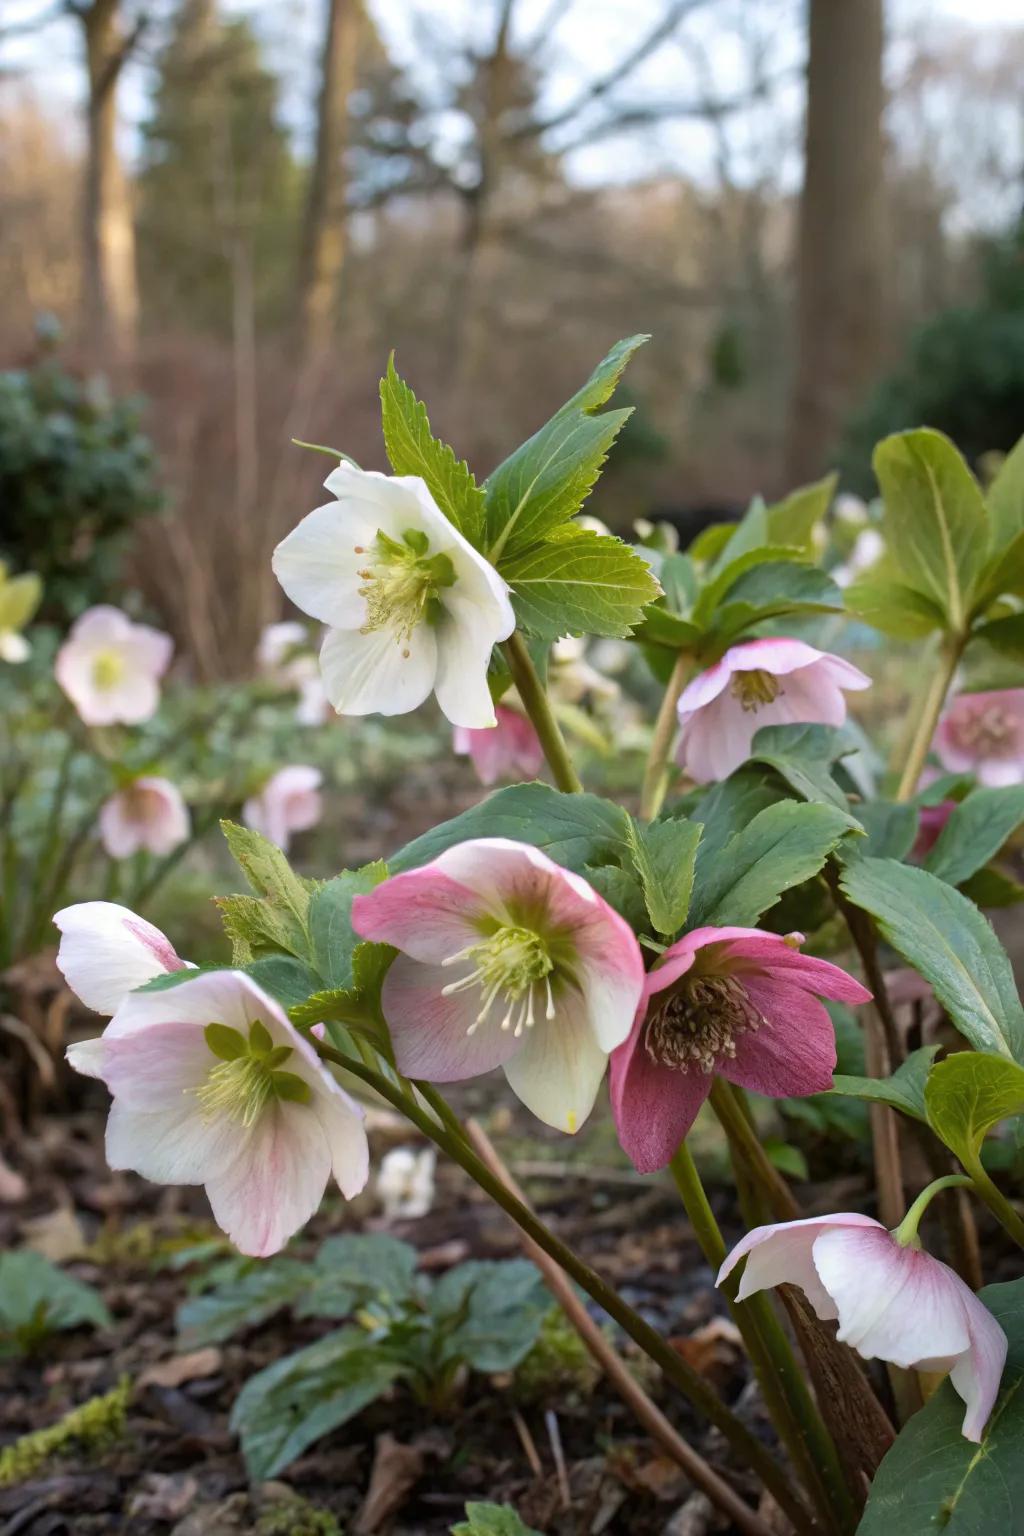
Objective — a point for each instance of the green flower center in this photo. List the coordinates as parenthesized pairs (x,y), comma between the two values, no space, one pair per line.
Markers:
(514,963)
(107,669)
(247,1076)
(697,1024)
(755,688)
(402,583)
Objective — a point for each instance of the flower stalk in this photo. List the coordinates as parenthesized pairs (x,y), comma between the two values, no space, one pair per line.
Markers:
(929,710)
(656,772)
(906,1233)
(538,706)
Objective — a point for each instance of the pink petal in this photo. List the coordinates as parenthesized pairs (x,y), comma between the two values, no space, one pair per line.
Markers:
(977,1374)
(706,686)
(430,1033)
(424,912)
(794,1053)
(653,1106)
(714,741)
(896,1304)
(276,1182)
(154,1068)
(781,1254)
(680,956)
(771,954)
(776,654)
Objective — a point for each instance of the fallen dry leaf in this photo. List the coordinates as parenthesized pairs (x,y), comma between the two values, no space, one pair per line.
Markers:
(163,1497)
(396,1470)
(178,1369)
(57,1235)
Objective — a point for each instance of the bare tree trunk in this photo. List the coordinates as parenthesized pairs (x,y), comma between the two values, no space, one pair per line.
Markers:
(840,320)
(109,292)
(323,247)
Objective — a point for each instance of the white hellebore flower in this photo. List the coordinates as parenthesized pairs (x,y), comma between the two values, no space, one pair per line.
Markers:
(211,1082)
(110,668)
(405,1183)
(410,605)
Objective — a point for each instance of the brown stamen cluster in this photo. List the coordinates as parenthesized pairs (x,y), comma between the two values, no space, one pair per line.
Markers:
(697,1024)
(755,688)
(987,732)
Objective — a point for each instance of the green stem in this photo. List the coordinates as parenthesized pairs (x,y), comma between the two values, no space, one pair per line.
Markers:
(932,700)
(997,1203)
(906,1232)
(732,1116)
(693,1386)
(538,707)
(792,1408)
(656,769)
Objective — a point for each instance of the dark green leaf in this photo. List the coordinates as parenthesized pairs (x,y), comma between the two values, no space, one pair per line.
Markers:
(331,936)
(1005,499)
(242,1303)
(903,1090)
(360,1267)
(37,1299)
(728,576)
(946,939)
(993,887)
(493,1309)
(284,977)
(976,830)
(660,627)
(663,856)
(891,829)
(784,845)
(1006,636)
(894,608)
(413,450)
(933,1480)
(803,755)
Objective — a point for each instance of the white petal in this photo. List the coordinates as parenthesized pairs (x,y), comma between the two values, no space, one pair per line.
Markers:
(275,1183)
(86,1056)
(466,637)
(560,1067)
(171,1146)
(341,1120)
(106,951)
(371,674)
(212,997)
(977,1374)
(318,564)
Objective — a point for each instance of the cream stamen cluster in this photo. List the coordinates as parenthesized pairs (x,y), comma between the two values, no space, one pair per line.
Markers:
(697,1025)
(401,582)
(513,962)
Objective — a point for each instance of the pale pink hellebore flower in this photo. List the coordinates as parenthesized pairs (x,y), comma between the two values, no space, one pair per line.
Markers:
(110,667)
(150,814)
(211,1082)
(509,750)
(290,801)
(758,683)
(893,1302)
(411,607)
(507,960)
(734,1002)
(983,734)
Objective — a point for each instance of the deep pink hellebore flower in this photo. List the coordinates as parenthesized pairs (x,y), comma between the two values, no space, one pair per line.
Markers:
(761,682)
(509,750)
(893,1302)
(507,961)
(983,734)
(729,1001)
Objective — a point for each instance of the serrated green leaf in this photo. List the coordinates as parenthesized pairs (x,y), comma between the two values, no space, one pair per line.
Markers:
(933,1480)
(573,830)
(490,1312)
(726,576)
(287,979)
(292,1403)
(891,829)
(664,855)
(363,1266)
(903,1090)
(332,938)
(976,830)
(993,887)
(545,481)
(784,845)
(580,582)
(242,1303)
(936,527)
(803,756)
(660,627)
(272,877)
(413,450)
(951,944)
(966,1095)
(776,589)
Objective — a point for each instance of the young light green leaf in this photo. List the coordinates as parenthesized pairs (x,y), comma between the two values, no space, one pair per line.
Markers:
(579,582)
(784,845)
(254,924)
(664,853)
(413,450)
(544,482)
(793,520)
(894,608)
(976,830)
(492,1520)
(952,945)
(904,1090)
(969,1093)
(1005,499)
(933,1480)
(267,870)
(937,530)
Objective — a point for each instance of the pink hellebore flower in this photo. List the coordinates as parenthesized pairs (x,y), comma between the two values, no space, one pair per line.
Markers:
(110,668)
(509,750)
(983,734)
(149,814)
(733,1001)
(507,961)
(213,1085)
(761,682)
(289,802)
(893,1302)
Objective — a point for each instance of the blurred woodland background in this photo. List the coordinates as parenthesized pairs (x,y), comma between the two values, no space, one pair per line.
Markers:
(233,212)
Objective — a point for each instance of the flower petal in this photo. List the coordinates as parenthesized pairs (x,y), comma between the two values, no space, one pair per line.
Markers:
(154,1068)
(781,1254)
(559,1067)
(430,1032)
(466,637)
(793,1053)
(377,674)
(275,1183)
(106,951)
(341,1121)
(424,912)
(977,1374)
(318,564)
(654,1106)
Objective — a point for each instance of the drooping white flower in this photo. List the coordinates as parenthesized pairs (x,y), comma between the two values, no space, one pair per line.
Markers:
(110,667)
(19,599)
(150,814)
(290,801)
(106,951)
(213,1085)
(405,1183)
(411,607)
